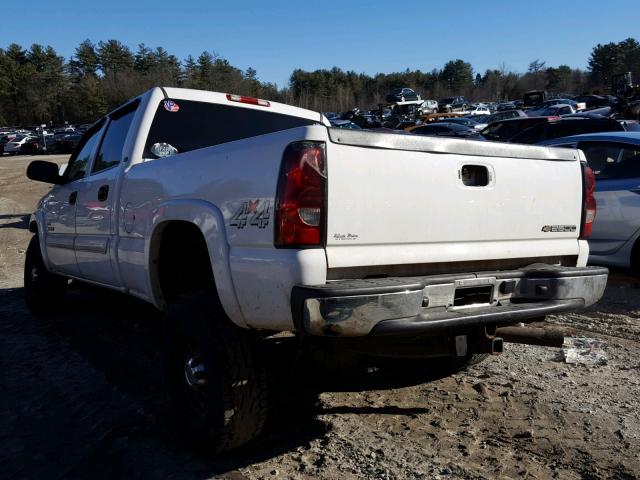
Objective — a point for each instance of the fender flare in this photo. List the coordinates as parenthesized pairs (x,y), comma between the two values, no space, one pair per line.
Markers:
(37,226)
(210,221)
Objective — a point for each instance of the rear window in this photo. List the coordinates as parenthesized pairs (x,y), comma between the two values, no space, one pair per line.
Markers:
(185,125)
(533,98)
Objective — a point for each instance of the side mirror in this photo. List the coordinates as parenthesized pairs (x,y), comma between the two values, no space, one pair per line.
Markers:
(62,169)
(46,172)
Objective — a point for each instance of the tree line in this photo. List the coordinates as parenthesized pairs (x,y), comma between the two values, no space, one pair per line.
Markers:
(39,86)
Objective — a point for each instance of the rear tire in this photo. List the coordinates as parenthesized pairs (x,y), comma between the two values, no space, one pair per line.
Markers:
(44,292)
(216,384)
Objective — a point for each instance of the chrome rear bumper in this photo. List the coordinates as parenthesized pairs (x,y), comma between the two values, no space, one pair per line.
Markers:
(432,304)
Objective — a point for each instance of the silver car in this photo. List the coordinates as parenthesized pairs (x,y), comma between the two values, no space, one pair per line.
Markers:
(614,157)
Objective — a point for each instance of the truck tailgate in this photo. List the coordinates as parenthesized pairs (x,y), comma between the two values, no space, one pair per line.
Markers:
(405,199)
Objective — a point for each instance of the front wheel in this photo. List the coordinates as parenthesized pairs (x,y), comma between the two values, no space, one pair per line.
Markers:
(216,384)
(44,292)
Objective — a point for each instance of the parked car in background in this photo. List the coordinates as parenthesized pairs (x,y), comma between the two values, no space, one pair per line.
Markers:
(505,106)
(564,127)
(428,106)
(479,110)
(503,130)
(445,129)
(535,112)
(348,124)
(497,116)
(467,122)
(395,123)
(435,117)
(479,118)
(615,161)
(402,95)
(533,98)
(596,101)
(13,146)
(4,139)
(453,104)
(556,110)
(66,143)
(32,146)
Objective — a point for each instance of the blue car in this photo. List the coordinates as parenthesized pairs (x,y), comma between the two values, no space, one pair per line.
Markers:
(614,158)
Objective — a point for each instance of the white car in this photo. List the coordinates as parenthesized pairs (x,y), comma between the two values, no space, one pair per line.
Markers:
(13,147)
(240,217)
(479,110)
(428,106)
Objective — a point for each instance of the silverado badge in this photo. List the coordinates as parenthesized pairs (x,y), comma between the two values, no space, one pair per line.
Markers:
(559,228)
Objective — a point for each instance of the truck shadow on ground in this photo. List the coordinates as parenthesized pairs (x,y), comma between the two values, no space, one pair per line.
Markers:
(17,220)
(88,381)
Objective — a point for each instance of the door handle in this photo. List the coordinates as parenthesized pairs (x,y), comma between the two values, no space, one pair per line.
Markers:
(73,196)
(103,193)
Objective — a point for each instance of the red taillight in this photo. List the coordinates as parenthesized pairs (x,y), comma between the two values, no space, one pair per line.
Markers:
(300,199)
(249,100)
(588,201)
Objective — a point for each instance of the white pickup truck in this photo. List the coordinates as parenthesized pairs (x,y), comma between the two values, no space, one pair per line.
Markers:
(240,216)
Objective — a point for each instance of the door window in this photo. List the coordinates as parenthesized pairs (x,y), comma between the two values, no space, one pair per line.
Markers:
(110,153)
(80,158)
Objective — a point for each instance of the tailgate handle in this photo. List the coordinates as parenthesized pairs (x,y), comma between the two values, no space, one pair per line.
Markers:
(474,175)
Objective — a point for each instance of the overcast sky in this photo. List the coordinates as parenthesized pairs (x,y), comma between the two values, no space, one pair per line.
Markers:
(275,37)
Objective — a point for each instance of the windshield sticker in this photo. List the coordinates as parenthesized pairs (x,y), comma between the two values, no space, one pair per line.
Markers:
(163,149)
(170,106)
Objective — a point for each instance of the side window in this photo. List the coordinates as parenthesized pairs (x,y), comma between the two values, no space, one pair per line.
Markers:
(110,153)
(612,161)
(601,157)
(79,161)
(182,125)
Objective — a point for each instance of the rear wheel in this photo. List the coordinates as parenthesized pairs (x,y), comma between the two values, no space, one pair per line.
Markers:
(216,383)
(44,292)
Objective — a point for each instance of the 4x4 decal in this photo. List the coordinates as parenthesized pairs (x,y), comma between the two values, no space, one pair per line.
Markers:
(254,213)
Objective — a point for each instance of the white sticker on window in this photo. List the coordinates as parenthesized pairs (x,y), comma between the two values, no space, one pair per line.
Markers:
(163,149)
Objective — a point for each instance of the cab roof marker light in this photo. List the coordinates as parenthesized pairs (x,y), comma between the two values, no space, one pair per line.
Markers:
(249,100)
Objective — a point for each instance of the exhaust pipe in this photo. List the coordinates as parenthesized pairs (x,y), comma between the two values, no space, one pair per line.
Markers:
(531,336)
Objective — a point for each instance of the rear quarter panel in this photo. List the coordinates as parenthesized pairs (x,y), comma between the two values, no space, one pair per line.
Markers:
(236,179)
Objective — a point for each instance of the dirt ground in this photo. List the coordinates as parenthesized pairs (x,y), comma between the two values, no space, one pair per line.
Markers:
(81,396)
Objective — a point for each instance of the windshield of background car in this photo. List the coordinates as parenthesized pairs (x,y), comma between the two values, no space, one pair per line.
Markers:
(183,125)
(447,100)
